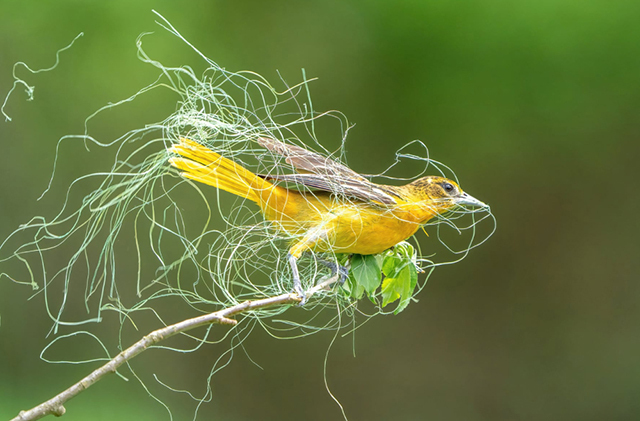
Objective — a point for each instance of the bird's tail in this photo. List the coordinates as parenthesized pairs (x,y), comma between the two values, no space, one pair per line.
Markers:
(201,164)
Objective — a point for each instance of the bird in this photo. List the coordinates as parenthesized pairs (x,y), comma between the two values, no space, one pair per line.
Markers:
(330,207)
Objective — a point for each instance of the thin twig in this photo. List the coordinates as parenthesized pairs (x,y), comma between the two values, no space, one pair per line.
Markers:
(55,405)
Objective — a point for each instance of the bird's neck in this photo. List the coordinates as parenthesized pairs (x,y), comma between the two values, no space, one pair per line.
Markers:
(416,206)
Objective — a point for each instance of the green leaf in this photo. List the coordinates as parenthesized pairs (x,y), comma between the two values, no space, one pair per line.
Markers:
(409,275)
(389,291)
(399,268)
(352,288)
(401,276)
(366,272)
(391,264)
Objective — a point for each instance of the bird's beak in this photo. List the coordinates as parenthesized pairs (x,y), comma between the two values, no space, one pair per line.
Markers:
(466,199)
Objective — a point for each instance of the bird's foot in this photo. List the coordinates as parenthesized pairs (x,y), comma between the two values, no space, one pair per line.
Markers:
(297,288)
(341,271)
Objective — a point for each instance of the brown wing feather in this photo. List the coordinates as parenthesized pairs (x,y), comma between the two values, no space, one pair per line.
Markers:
(307,161)
(326,174)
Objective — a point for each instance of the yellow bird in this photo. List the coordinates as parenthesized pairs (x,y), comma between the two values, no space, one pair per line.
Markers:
(346,213)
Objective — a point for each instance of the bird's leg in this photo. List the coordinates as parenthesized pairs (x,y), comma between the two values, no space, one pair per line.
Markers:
(309,240)
(342,271)
(297,285)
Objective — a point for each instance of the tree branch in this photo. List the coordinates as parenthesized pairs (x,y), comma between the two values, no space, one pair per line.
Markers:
(55,405)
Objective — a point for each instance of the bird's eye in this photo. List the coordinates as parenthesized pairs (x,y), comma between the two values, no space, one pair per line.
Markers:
(448,187)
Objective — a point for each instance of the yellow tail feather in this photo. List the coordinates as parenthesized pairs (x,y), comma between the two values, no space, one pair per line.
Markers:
(203,165)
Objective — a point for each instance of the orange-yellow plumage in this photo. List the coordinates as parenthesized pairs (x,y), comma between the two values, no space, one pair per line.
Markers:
(378,218)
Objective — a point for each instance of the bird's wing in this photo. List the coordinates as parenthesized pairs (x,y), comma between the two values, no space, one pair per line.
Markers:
(317,171)
(307,161)
(343,186)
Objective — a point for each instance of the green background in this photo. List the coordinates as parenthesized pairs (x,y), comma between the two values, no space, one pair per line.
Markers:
(534,104)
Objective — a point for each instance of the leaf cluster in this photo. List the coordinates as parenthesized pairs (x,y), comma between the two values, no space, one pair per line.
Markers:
(385,278)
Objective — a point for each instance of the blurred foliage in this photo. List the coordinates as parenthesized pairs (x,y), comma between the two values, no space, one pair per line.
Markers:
(534,104)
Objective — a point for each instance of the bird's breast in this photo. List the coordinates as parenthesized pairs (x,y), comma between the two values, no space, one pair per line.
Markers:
(348,227)
(367,230)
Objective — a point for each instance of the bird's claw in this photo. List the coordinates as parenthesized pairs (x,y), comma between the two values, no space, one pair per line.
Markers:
(343,273)
(336,269)
(301,293)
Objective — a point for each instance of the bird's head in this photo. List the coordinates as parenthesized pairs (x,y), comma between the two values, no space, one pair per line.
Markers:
(441,193)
